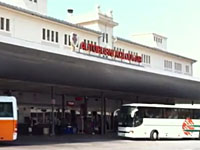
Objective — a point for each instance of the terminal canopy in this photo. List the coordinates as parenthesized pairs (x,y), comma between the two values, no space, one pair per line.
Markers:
(18,63)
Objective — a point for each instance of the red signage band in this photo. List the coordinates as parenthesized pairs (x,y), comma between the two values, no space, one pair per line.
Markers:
(110,52)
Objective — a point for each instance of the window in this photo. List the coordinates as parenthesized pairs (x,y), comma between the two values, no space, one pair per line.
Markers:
(178,67)
(187,69)
(56,37)
(152,112)
(6,109)
(35,1)
(49,35)
(106,37)
(135,54)
(2,23)
(146,59)
(103,37)
(196,114)
(167,64)
(52,36)
(43,34)
(157,39)
(7,24)
(85,41)
(185,113)
(69,40)
(65,39)
(170,113)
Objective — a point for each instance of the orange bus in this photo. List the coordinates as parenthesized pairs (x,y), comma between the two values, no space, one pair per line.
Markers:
(8,118)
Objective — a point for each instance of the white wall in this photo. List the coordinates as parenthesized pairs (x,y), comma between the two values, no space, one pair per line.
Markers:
(29,28)
(157,58)
(40,6)
(148,39)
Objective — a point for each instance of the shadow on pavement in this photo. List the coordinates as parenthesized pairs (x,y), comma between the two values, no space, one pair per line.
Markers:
(47,140)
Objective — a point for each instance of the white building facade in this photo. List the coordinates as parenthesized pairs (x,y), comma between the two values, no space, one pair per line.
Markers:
(94,28)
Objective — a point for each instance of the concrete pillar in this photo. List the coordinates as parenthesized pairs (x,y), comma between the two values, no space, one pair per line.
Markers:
(102,114)
(121,102)
(53,101)
(85,112)
(105,117)
(137,99)
(63,107)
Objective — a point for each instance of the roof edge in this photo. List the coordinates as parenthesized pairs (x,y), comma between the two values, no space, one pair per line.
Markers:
(155,49)
(29,12)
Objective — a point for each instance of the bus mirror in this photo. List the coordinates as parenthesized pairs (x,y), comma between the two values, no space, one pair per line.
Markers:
(133,112)
(116,112)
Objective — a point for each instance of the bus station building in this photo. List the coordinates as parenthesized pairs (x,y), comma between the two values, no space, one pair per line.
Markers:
(70,76)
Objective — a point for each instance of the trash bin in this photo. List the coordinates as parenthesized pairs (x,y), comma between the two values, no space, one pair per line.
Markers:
(69,130)
(46,131)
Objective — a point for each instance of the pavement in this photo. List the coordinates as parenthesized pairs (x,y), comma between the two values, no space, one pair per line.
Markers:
(96,142)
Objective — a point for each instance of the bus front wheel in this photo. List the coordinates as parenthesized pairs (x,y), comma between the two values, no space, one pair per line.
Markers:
(154,135)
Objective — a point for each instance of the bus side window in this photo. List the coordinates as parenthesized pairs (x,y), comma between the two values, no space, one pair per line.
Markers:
(196,114)
(6,110)
(167,113)
(185,113)
(171,113)
(148,112)
(153,113)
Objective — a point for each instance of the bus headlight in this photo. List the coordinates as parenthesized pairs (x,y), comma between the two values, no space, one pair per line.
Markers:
(131,131)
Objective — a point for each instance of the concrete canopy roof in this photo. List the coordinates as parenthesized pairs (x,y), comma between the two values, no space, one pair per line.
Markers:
(18,63)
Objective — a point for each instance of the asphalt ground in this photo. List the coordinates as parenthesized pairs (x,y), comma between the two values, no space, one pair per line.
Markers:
(96,142)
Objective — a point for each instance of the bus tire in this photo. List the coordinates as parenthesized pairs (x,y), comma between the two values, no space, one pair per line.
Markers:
(154,135)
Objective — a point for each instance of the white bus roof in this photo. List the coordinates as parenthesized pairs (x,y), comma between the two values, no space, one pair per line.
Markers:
(189,106)
(7,98)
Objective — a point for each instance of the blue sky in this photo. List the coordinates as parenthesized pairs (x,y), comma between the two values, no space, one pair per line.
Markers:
(179,20)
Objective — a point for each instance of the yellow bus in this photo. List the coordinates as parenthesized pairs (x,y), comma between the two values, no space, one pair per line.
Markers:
(8,118)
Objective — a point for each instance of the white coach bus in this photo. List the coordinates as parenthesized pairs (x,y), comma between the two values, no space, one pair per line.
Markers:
(156,121)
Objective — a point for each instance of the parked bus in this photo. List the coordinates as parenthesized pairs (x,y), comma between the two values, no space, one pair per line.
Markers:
(8,118)
(156,121)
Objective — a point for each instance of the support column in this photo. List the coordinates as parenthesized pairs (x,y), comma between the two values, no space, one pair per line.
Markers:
(63,107)
(121,102)
(102,114)
(137,99)
(85,112)
(53,101)
(105,117)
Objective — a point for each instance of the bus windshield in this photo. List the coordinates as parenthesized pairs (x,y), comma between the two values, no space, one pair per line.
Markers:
(129,117)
